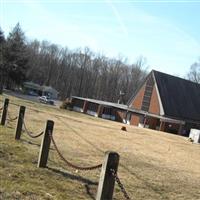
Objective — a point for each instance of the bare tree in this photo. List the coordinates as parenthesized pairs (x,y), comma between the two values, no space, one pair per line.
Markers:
(194,73)
(82,72)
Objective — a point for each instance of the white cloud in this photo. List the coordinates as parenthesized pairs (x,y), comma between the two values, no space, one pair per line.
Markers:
(118,17)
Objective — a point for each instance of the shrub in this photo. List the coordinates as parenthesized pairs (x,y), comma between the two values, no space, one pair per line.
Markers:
(66,104)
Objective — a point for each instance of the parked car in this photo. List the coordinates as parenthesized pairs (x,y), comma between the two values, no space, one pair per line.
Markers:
(46,100)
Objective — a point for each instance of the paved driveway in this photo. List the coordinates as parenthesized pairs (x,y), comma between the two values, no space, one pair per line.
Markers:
(29,97)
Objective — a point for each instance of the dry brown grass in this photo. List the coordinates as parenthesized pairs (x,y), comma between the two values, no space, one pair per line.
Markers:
(153,165)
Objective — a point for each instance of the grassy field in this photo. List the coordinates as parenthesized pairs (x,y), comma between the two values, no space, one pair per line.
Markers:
(153,165)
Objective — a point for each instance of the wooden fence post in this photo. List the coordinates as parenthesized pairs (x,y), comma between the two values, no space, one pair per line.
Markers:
(107,180)
(18,130)
(45,145)
(4,114)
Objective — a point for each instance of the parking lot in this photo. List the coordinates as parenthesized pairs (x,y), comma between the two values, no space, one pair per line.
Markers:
(57,103)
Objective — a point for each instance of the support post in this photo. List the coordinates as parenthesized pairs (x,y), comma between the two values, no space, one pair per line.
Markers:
(180,130)
(99,110)
(85,106)
(4,114)
(18,130)
(45,145)
(107,180)
(162,126)
(145,120)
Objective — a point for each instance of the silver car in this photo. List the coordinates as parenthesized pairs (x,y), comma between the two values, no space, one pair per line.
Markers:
(46,100)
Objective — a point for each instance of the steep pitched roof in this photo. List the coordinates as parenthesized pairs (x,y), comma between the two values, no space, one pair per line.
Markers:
(180,98)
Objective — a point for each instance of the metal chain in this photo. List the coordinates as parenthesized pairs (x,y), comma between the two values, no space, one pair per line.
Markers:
(121,186)
(69,163)
(30,134)
(10,118)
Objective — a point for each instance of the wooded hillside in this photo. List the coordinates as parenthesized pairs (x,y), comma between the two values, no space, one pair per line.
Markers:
(79,72)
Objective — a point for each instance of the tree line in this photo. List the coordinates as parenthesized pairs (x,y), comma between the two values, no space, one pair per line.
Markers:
(79,72)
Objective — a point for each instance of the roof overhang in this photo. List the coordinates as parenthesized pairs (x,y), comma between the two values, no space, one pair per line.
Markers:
(132,110)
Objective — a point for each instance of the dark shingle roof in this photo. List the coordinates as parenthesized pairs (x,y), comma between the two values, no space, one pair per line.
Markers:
(180,98)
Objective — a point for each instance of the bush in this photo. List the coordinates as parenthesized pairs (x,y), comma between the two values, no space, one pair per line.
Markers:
(66,104)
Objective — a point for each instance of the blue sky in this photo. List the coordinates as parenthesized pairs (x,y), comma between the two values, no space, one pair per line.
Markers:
(166,33)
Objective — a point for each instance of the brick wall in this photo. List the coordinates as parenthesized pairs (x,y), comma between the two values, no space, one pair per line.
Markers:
(137,102)
(152,122)
(135,119)
(154,103)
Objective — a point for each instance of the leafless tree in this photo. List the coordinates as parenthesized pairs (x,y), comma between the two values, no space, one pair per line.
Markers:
(82,72)
(194,73)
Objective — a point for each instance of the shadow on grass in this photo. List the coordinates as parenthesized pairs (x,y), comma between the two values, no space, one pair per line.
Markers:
(72,176)
(33,143)
(89,193)
(87,182)
(30,142)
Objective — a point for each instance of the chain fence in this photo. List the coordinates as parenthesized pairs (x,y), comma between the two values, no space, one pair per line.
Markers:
(68,162)
(121,186)
(11,119)
(29,133)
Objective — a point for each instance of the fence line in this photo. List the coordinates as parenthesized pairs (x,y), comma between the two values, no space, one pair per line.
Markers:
(68,162)
(109,168)
(11,119)
(5,110)
(30,133)
(121,186)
